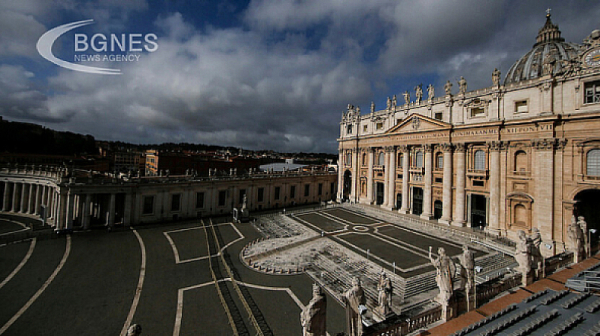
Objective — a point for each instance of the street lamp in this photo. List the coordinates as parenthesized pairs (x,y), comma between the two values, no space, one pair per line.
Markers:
(590,231)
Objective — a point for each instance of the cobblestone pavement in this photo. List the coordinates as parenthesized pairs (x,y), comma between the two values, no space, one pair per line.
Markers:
(96,283)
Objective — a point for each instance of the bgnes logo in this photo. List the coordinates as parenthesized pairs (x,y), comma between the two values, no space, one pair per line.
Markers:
(124,43)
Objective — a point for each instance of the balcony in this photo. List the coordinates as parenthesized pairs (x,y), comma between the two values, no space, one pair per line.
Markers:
(478,173)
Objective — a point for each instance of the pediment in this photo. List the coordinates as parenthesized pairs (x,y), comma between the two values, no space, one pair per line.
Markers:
(419,123)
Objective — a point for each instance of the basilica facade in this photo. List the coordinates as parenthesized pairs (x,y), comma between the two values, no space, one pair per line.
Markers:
(521,154)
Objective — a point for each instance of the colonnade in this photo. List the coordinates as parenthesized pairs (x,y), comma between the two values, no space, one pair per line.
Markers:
(58,207)
(454,171)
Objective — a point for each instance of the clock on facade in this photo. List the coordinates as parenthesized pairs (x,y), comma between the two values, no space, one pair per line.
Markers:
(592,59)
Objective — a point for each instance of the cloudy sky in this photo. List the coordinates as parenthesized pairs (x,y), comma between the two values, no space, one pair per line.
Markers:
(259,74)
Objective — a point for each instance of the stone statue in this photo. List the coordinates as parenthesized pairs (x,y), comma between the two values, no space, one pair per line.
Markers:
(448,88)
(389,103)
(430,92)
(462,85)
(467,265)
(394,102)
(419,93)
(584,229)
(577,240)
(536,253)
(445,269)
(313,315)
(548,64)
(244,202)
(372,107)
(385,290)
(496,77)
(355,307)
(134,330)
(406,97)
(522,254)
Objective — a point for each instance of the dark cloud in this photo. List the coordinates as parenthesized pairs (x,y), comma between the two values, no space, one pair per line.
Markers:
(282,80)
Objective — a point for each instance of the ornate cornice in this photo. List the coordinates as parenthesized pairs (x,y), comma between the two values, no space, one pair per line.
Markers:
(460,147)
(544,144)
(496,145)
(447,147)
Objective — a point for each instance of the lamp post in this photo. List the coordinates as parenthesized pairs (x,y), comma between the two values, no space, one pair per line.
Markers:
(590,231)
(478,269)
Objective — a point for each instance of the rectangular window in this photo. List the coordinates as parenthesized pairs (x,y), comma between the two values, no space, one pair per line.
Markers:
(521,106)
(292,191)
(332,189)
(379,126)
(222,197)
(592,92)
(277,193)
(477,112)
(438,180)
(349,129)
(175,202)
(320,191)
(364,128)
(199,200)
(261,194)
(306,190)
(439,115)
(478,183)
(148,205)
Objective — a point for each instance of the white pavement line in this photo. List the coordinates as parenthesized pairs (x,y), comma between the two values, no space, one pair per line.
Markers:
(289,291)
(180,292)
(23,262)
(41,290)
(176,251)
(25,228)
(172,243)
(179,314)
(376,220)
(138,291)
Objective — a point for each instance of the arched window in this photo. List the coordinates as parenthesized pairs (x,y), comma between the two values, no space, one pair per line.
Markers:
(520,161)
(419,159)
(439,161)
(399,161)
(349,159)
(479,162)
(381,160)
(593,162)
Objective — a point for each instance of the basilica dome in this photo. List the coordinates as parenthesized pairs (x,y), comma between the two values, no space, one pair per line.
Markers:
(550,48)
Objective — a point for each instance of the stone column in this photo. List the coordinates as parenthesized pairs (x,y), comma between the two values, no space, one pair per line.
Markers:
(340,191)
(85,218)
(6,201)
(111,210)
(427,213)
(31,199)
(61,201)
(370,162)
(447,185)
(459,201)
(386,178)
(405,209)
(127,214)
(544,172)
(15,198)
(70,210)
(494,224)
(23,208)
(392,178)
(355,179)
(38,198)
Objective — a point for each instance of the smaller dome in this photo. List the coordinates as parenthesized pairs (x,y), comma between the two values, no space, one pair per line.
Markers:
(549,48)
